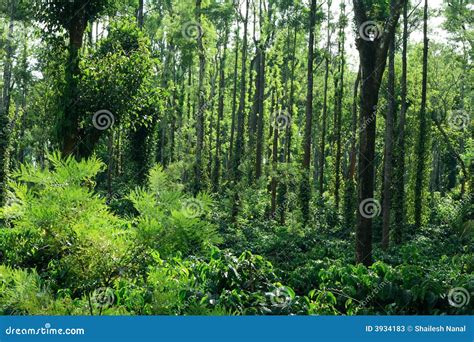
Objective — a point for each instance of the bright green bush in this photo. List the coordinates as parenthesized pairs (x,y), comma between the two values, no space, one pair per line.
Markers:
(171,221)
(61,228)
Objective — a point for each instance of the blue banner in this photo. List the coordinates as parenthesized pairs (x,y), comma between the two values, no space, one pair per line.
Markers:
(238,329)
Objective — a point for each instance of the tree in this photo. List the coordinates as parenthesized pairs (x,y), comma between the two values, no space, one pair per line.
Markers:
(322,152)
(72,16)
(305,191)
(201,102)
(399,158)
(5,103)
(423,126)
(220,111)
(372,43)
(388,148)
(338,95)
(239,140)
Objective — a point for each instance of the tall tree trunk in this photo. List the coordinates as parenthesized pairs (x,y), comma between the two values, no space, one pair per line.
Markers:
(305,191)
(389,119)
(220,113)
(239,141)
(322,152)
(69,124)
(291,99)
(234,99)
(353,155)
(399,186)
(140,18)
(260,111)
(373,56)
(274,182)
(422,133)
(5,106)
(339,97)
(201,105)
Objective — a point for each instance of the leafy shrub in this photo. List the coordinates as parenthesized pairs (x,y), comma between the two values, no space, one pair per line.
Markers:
(61,228)
(171,222)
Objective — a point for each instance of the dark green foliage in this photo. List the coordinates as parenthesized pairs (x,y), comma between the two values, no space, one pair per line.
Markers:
(226,180)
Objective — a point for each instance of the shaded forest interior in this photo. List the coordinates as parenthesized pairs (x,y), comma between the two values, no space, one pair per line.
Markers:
(207,157)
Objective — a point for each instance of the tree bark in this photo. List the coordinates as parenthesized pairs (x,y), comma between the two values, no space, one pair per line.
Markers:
(322,152)
(260,111)
(239,141)
(69,125)
(5,106)
(389,119)
(305,191)
(140,18)
(234,99)
(220,113)
(338,109)
(373,55)
(201,105)
(399,186)
(421,145)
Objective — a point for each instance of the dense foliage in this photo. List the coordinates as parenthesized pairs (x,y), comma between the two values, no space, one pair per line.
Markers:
(254,157)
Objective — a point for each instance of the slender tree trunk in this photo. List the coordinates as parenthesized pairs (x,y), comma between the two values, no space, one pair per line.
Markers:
(305,191)
(422,133)
(140,18)
(274,182)
(239,142)
(389,119)
(399,186)
(220,114)
(291,99)
(5,106)
(339,97)
(234,98)
(260,106)
(322,155)
(353,156)
(201,105)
